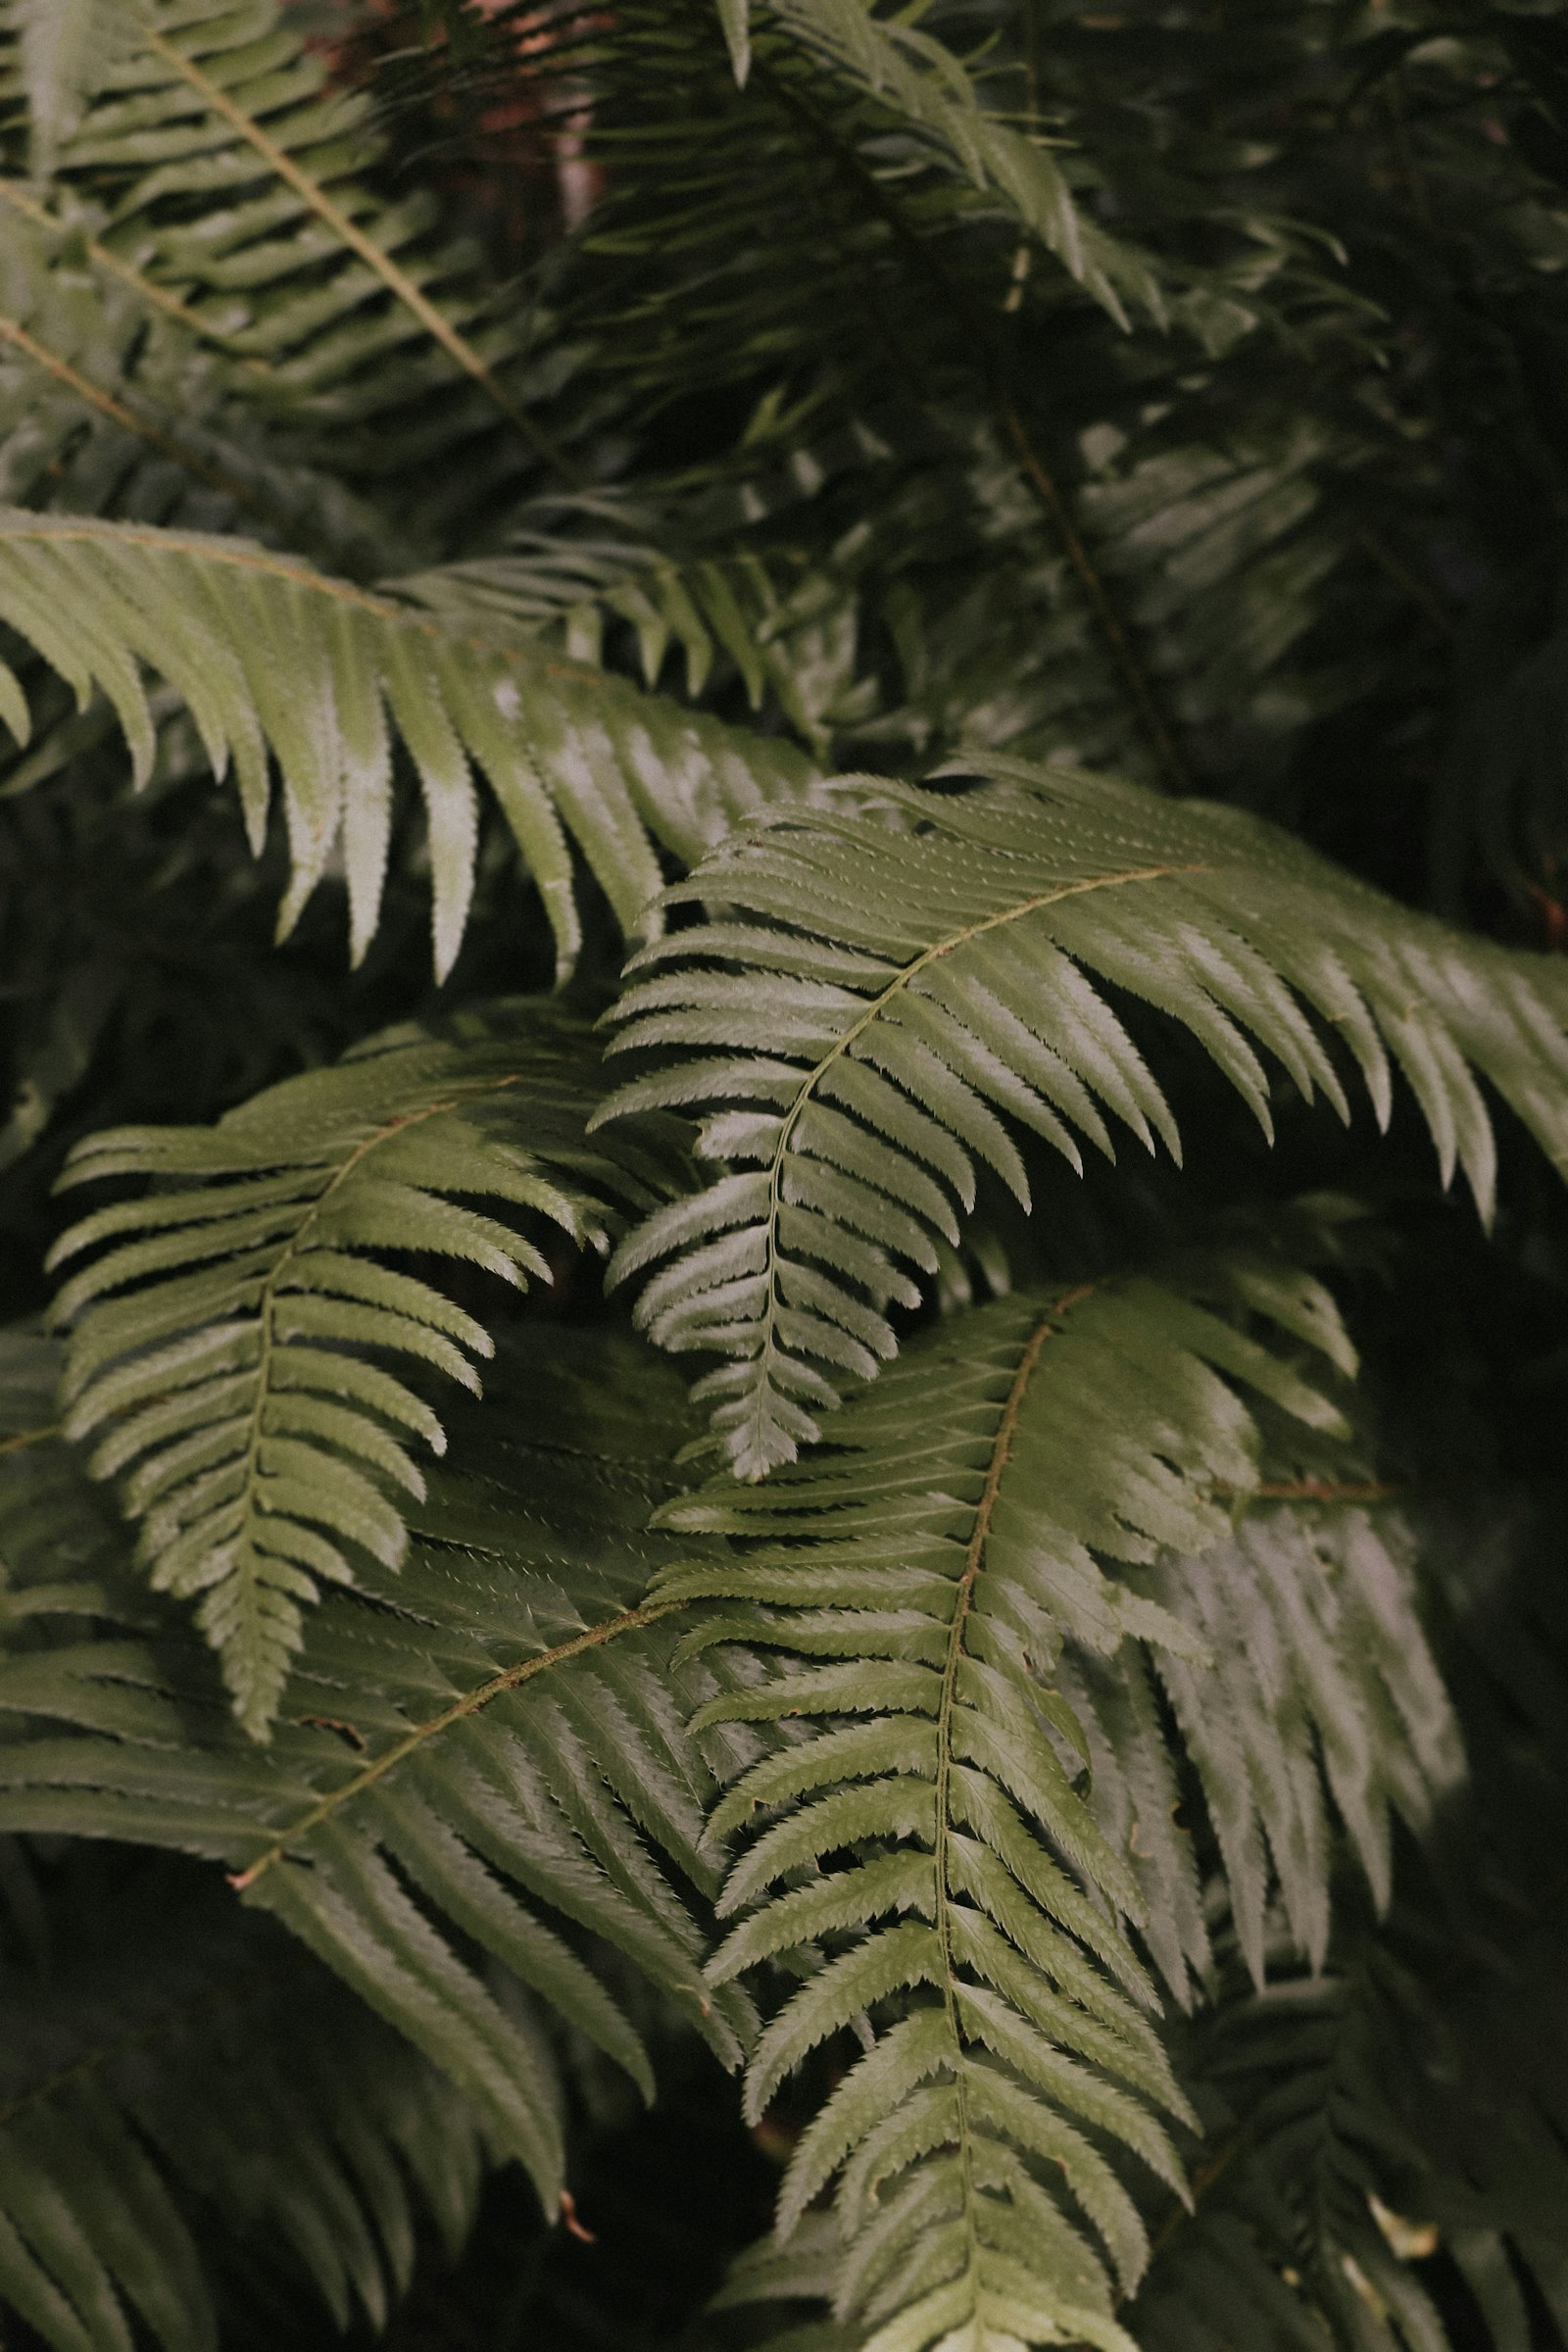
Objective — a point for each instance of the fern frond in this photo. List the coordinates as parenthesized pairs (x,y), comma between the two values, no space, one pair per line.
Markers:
(104,405)
(931,96)
(484,1751)
(218,1343)
(786,627)
(922,1578)
(332,2140)
(1317,1697)
(1339,2106)
(270,656)
(230,170)
(64,48)
(1217,552)
(907,994)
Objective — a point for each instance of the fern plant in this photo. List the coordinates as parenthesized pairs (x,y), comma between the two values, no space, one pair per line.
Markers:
(751,1593)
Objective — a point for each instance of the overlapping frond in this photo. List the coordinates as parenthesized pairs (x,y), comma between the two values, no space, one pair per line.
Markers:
(217,161)
(271,658)
(108,408)
(888,998)
(1218,552)
(483,1754)
(930,95)
(1317,1702)
(332,2139)
(921,1579)
(220,1329)
(583,570)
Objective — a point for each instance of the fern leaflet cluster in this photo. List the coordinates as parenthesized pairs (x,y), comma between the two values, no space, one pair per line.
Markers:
(905,985)
(922,1578)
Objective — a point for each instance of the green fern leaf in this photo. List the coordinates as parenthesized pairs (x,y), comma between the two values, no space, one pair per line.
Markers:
(65,46)
(332,2142)
(483,1753)
(1319,1695)
(272,658)
(932,96)
(339,294)
(912,995)
(216,1355)
(947,1547)
(787,630)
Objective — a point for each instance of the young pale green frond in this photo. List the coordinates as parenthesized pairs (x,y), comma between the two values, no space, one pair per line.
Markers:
(226,1325)
(1317,1697)
(923,1579)
(483,1754)
(881,1009)
(332,2142)
(275,660)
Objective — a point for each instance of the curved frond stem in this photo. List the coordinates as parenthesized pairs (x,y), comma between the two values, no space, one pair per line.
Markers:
(944,947)
(393,277)
(117,413)
(1142,695)
(146,289)
(297,1244)
(239,554)
(23,1437)
(875,1009)
(512,1677)
(963,1602)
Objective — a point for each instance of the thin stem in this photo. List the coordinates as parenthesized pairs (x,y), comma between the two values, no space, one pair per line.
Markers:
(30,1436)
(990,344)
(12,332)
(963,1602)
(512,1677)
(1420,593)
(1133,676)
(395,279)
(873,1012)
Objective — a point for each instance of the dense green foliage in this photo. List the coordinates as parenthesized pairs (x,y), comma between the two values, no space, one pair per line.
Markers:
(783,829)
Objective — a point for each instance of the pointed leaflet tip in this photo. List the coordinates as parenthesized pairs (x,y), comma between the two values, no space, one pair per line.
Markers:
(735,18)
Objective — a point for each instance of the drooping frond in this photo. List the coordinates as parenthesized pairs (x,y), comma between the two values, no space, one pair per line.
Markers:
(580,569)
(921,1578)
(484,1752)
(218,1353)
(1317,1701)
(909,995)
(273,659)
(932,101)
(203,2071)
